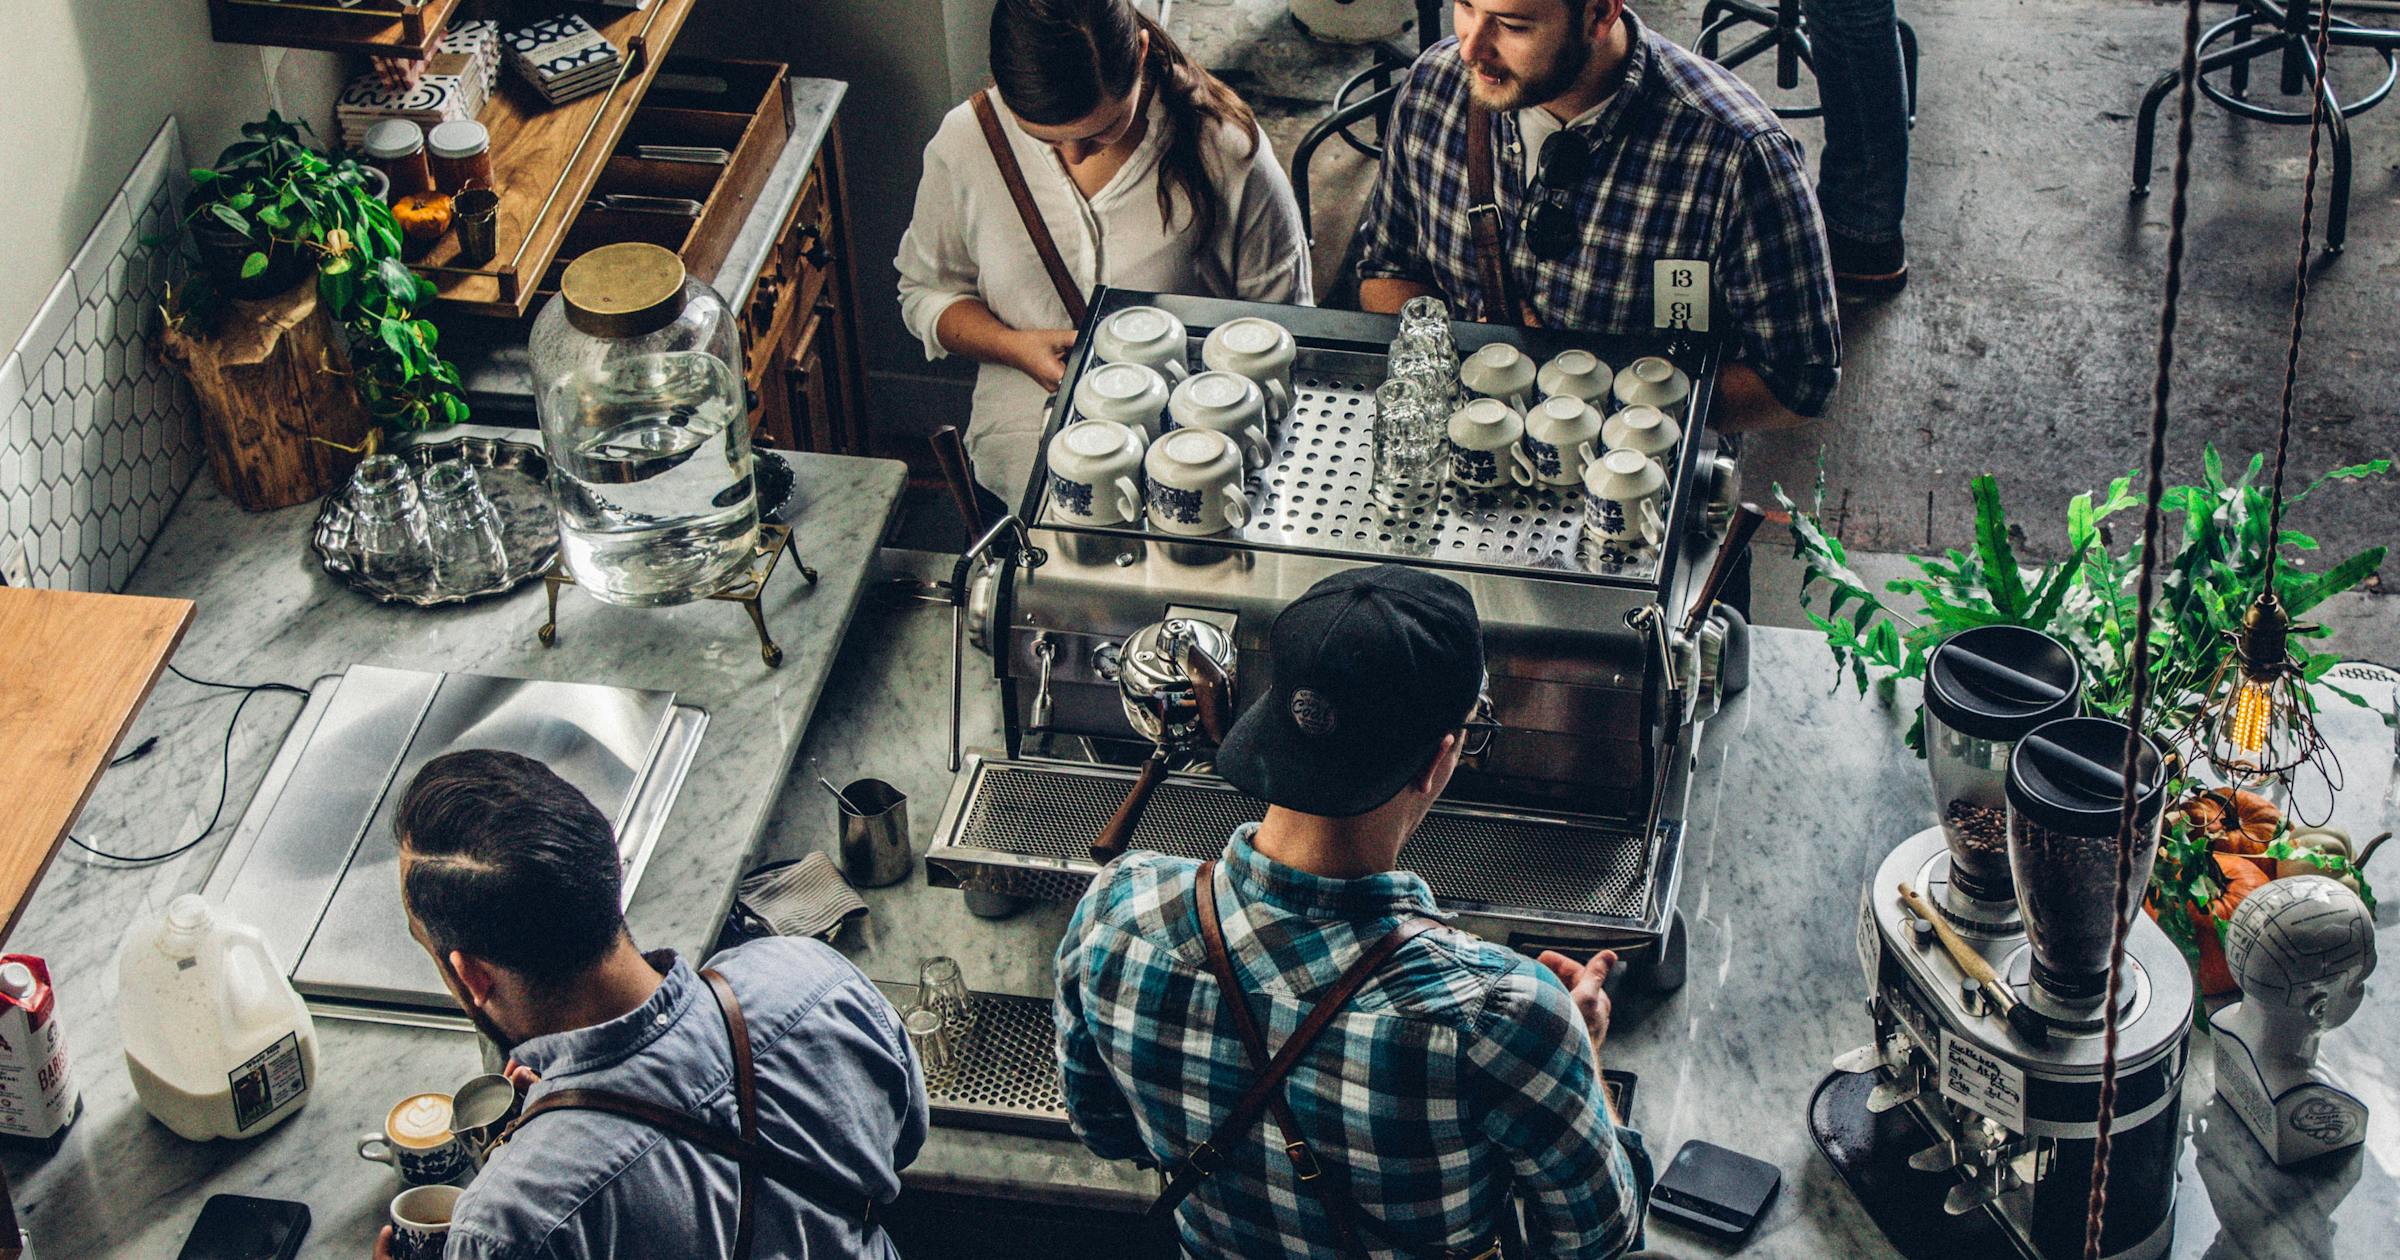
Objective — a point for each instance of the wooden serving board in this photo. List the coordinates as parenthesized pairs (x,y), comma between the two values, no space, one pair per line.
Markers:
(545,159)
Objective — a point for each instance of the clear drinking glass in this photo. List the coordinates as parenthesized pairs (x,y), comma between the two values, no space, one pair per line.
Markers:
(1412,444)
(390,527)
(1425,353)
(930,1034)
(1427,318)
(942,988)
(462,529)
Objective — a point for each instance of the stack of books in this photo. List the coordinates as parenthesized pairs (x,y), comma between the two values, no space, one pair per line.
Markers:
(454,84)
(564,58)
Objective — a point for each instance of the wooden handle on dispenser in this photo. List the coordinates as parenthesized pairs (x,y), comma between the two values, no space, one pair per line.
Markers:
(1118,832)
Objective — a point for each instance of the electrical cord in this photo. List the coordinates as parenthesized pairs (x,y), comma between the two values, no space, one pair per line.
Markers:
(250,691)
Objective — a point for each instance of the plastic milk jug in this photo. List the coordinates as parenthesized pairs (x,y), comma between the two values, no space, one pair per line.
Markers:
(216,1039)
(37,1096)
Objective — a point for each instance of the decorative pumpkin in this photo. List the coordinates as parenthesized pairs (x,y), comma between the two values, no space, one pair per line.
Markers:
(2235,821)
(422,217)
(2241,877)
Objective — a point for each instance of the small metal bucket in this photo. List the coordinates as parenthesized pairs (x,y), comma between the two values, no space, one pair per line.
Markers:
(874,845)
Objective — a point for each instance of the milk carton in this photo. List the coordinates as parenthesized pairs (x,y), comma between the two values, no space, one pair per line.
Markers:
(37,1096)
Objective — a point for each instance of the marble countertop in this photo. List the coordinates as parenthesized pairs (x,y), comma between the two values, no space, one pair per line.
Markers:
(490,354)
(120,1185)
(1804,787)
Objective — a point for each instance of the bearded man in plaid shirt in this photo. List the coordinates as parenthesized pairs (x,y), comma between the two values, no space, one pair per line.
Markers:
(1614,152)
(1452,1069)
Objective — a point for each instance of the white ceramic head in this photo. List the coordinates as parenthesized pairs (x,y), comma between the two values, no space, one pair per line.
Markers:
(2302,949)
(1196,483)
(1228,402)
(1127,393)
(1577,374)
(1641,428)
(1146,335)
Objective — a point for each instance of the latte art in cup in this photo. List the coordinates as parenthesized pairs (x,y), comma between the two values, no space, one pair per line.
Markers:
(420,1121)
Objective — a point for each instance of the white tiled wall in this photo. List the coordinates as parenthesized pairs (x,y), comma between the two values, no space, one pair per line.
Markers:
(97,436)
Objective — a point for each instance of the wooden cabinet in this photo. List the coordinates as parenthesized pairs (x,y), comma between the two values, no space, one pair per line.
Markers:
(800,329)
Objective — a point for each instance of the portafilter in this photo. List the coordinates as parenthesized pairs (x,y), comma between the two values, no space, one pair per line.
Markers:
(1176,678)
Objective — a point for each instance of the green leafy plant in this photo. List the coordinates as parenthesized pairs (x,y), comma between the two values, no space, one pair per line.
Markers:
(2089,601)
(270,204)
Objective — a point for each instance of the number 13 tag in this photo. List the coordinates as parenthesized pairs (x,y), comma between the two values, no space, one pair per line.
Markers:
(1681,289)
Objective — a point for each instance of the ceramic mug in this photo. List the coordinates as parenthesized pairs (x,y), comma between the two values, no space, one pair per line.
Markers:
(421,1222)
(417,1142)
(1624,498)
(1500,371)
(1231,404)
(1127,393)
(1559,436)
(1653,382)
(1146,335)
(1260,349)
(1577,374)
(1196,483)
(480,1110)
(1483,444)
(1646,429)
(1095,473)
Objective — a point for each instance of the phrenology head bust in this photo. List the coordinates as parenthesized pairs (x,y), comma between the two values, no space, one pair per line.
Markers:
(2303,945)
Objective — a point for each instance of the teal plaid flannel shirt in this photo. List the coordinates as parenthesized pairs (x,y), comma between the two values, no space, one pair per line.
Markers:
(1461,1067)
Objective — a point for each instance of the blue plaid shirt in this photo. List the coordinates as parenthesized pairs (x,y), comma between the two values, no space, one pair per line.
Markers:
(1687,164)
(1460,1066)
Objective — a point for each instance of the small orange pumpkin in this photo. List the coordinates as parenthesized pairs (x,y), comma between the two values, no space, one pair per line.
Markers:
(422,217)
(2234,821)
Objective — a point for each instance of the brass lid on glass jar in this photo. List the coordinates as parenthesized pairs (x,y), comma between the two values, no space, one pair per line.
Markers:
(623,290)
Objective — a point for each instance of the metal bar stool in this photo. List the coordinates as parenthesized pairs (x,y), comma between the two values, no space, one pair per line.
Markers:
(1785,34)
(2287,32)
(1366,98)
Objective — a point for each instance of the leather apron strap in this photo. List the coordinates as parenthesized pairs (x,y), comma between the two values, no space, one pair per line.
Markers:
(1012,174)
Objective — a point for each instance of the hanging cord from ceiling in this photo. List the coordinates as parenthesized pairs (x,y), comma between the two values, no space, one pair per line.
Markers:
(2146,597)
(2291,358)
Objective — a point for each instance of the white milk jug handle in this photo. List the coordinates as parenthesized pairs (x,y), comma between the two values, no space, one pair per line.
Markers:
(249,995)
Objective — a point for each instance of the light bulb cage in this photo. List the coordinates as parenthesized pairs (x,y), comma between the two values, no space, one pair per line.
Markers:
(2230,732)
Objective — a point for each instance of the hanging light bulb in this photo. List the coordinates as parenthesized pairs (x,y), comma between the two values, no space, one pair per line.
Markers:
(2254,724)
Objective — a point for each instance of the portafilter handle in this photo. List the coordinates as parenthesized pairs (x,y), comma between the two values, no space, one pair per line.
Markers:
(1212,692)
(1737,540)
(1117,832)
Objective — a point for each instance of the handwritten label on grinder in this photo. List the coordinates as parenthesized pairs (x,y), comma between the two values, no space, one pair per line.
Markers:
(1982,1082)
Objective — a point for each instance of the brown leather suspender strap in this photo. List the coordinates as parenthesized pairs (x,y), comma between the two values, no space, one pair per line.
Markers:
(754,1158)
(1266,1091)
(1013,175)
(1483,220)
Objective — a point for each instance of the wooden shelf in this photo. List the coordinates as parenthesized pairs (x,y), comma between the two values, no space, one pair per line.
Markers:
(375,28)
(545,159)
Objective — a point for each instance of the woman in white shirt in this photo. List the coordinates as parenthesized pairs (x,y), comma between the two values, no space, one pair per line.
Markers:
(1149,174)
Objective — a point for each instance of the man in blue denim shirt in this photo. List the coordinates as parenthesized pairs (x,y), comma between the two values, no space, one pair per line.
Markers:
(1460,1068)
(511,881)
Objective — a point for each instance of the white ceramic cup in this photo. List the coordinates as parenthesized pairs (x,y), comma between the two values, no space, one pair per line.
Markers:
(1653,382)
(1095,473)
(1146,335)
(416,1141)
(1559,437)
(1483,442)
(1625,498)
(1127,393)
(1577,374)
(1501,371)
(1646,429)
(421,1222)
(1196,483)
(1231,404)
(1260,349)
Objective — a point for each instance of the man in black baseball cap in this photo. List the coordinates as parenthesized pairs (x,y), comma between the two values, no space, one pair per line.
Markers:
(1432,1067)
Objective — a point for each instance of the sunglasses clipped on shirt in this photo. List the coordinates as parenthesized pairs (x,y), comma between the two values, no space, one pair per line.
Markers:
(1550,226)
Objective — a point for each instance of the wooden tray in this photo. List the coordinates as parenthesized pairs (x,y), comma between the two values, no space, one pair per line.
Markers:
(378,28)
(545,160)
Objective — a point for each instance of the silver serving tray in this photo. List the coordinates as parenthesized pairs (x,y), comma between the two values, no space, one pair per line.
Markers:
(515,475)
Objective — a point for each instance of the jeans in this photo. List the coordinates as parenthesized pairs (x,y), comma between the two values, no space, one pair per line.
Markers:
(1862,179)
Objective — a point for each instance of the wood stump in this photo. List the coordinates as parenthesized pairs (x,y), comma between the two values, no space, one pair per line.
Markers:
(276,403)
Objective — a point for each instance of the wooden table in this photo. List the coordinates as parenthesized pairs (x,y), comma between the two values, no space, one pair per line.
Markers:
(74,668)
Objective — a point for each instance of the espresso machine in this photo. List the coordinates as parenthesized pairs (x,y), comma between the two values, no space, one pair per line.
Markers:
(1967,1127)
(1114,650)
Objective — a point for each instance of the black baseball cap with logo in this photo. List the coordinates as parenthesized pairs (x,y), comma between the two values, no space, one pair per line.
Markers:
(1372,667)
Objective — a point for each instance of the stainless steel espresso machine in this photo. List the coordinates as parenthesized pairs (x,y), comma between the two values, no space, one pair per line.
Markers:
(1967,1127)
(1567,832)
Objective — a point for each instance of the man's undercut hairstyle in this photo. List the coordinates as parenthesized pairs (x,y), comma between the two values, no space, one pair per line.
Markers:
(504,860)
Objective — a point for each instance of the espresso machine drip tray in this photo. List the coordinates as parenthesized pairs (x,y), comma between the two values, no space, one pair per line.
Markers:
(1024,829)
(314,865)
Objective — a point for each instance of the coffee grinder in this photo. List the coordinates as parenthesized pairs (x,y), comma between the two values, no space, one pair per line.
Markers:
(1967,1127)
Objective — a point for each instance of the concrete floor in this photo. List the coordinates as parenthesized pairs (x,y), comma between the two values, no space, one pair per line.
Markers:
(2024,344)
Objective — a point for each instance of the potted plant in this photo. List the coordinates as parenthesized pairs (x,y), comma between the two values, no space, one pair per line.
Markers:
(2218,527)
(273,210)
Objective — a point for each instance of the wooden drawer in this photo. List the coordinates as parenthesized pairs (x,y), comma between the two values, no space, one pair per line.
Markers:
(737,106)
(795,280)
